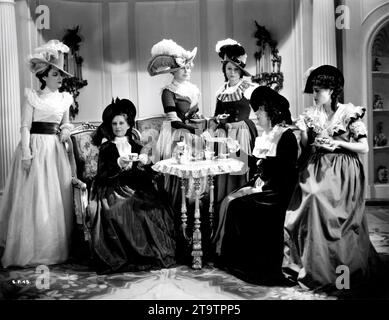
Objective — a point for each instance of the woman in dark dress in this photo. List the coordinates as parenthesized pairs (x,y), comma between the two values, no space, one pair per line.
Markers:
(232,113)
(133,223)
(180,100)
(325,224)
(249,238)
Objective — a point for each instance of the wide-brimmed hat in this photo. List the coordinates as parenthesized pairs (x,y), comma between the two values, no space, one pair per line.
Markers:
(119,106)
(273,99)
(326,70)
(49,54)
(230,50)
(167,56)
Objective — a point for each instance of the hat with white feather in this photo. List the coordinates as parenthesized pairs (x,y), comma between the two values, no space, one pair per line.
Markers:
(49,54)
(232,51)
(167,56)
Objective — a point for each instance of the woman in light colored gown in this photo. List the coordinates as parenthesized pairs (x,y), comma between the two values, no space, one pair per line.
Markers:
(36,208)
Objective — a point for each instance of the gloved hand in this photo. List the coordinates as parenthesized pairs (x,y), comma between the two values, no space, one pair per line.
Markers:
(233,145)
(26,164)
(143,158)
(125,163)
(64,135)
(222,118)
(300,123)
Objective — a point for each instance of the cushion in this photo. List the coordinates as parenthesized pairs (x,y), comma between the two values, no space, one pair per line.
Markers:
(86,155)
(150,123)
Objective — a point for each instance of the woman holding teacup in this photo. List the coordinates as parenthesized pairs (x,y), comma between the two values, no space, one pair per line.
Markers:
(133,223)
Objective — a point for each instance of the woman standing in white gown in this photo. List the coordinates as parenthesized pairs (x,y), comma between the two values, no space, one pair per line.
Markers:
(36,208)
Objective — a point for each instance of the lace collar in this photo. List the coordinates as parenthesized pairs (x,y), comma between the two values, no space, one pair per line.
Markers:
(123,146)
(266,144)
(242,89)
(185,89)
(316,118)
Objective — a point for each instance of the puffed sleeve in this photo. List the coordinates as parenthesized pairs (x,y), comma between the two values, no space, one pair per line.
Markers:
(357,129)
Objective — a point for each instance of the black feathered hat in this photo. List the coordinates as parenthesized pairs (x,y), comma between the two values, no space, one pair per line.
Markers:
(119,106)
(116,107)
(230,50)
(277,103)
(326,70)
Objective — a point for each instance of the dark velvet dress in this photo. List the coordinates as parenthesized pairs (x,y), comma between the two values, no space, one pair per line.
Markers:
(235,102)
(249,238)
(133,223)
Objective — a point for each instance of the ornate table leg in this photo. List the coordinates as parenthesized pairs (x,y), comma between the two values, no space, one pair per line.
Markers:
(211,211)
(184,217)
(197,252)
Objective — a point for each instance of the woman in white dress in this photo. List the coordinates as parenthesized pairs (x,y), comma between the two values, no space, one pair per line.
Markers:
(36,208)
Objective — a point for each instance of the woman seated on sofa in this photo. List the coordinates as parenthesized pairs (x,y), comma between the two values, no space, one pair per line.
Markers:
(133,225)
(249,238)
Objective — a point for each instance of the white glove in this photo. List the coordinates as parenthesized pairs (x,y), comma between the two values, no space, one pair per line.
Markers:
(64,135)
(143,158)
(300,123)
(222,118)
(233,145)
(125,163)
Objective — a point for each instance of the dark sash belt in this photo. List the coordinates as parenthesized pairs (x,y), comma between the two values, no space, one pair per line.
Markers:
(44,128)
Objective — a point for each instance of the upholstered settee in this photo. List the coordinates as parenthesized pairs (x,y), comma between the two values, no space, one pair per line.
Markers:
(83,157)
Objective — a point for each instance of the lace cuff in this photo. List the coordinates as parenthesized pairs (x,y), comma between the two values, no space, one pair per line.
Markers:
(66,125)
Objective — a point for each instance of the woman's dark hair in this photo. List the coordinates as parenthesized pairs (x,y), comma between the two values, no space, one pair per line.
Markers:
(224,66)
(118,107)
(326,77)
(275,105)
(329,82)
(43,74)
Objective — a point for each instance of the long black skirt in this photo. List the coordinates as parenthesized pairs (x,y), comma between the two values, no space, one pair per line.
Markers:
(133,230)
(252,247)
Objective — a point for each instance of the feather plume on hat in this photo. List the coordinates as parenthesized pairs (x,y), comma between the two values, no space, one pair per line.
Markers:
(230,50)
(50,53)
(167,56)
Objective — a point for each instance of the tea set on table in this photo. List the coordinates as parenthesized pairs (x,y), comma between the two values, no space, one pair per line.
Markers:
(183,153)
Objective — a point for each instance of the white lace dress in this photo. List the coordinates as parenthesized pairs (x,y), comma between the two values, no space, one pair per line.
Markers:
(36,207)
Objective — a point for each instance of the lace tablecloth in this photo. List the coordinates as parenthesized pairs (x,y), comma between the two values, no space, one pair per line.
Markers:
(198,169)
